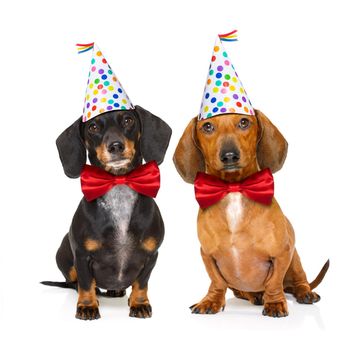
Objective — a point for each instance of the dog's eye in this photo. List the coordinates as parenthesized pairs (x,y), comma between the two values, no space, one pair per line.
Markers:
(93,128)
(208,128)
(244,123)
(128,121)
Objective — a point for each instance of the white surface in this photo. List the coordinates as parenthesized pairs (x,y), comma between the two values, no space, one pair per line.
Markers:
(293,58)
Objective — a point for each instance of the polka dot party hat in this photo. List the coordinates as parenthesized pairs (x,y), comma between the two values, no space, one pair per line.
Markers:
(223,92)
(104,91)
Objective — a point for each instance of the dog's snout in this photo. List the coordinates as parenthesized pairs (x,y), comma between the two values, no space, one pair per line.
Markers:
(116,147)
(229,157)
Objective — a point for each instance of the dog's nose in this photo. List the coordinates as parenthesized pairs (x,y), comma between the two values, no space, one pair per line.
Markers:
(116,147)
(229,157)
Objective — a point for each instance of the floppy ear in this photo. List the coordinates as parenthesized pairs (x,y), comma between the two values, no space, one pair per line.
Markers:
(72,150)
(188,158)
(272,146)
(155,136)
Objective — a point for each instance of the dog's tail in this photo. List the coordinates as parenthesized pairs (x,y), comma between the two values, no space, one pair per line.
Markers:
(315,282)
(320,276)
(74,285)
(71,285)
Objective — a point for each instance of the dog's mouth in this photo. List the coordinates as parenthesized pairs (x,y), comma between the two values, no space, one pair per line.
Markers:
(118,167)
(231,167)
(121,163)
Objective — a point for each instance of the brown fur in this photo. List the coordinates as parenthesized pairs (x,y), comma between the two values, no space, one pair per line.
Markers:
(92,244)
(104,156)
(102,153)
(129,151)
(138,295)
(149,244)
(73,274)
(138,302)
(87,307)
(187,152)
(250,251)
(88,297)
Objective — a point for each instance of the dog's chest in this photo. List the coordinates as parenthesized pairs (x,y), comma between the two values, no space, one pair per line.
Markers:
(119,204)
(234,211)
(234,216)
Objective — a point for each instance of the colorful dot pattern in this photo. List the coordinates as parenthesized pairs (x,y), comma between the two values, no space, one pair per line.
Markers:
(223,92)
(104,91)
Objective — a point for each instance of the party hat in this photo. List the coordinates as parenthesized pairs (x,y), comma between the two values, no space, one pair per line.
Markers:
(223,92)
(104,91)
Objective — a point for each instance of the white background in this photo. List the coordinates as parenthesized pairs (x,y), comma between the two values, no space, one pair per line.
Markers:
(293,60)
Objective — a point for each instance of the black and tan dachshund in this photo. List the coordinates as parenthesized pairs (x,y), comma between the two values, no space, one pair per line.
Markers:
(113,240)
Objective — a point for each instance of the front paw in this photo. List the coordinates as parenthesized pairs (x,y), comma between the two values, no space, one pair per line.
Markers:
(308,298)
(208,307)
(87,313)
(141,311)
(275,309)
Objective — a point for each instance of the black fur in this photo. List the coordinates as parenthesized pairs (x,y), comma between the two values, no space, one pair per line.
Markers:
(71,150)
(155,129)
(120,259)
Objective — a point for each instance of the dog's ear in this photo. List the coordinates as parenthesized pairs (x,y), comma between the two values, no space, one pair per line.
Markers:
(155,136)
(72,150)
(188,158)
(272,146)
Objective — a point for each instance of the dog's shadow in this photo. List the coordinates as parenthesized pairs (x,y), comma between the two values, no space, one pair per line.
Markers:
(299,314)
(115,303)
(238,313)
(109,307)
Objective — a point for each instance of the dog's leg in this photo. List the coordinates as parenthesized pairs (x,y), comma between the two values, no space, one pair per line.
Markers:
(296,282)
(87,307)
(275,303)
(256,298)
(214,301)
(65,260)
(138,300)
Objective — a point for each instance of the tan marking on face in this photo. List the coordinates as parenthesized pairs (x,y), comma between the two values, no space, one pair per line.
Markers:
(88,297)
(102,153)
(115,167)
(72,274)
(129,150)
(149,244)
(92,244)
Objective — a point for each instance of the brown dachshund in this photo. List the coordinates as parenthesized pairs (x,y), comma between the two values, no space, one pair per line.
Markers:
(246,246)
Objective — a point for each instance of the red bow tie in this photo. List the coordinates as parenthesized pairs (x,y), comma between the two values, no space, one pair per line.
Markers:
(258,187)
(95,182)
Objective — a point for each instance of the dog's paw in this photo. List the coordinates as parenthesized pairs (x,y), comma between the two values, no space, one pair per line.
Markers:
(208,307)
(87,313)
(275,309)
(308,298)
(141,311)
